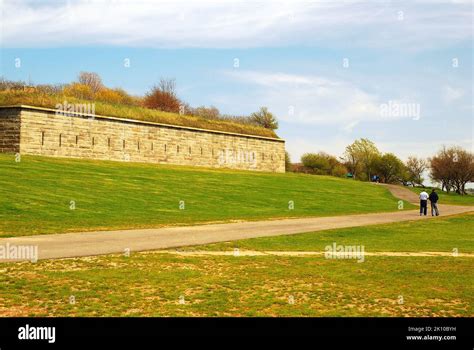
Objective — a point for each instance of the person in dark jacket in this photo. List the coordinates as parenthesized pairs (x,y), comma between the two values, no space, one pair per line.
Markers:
(434,202)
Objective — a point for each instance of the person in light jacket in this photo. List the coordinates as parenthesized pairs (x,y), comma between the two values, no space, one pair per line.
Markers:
(423,203)
(434,202)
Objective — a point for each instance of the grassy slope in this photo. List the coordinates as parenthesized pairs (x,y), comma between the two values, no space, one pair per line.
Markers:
(35,195)
(150,284)
(440,234)
(452,198)
(131,112)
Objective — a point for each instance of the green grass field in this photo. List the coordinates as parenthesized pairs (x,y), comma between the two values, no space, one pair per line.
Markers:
(37,194)
(35,198)
(161,284)
(451,198)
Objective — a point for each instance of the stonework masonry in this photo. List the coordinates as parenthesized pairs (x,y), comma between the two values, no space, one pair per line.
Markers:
(42,131)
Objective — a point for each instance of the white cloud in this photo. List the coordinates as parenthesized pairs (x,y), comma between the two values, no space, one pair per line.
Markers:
(335,145)
(451,94)
(312,100)
(422,149)
(230,23)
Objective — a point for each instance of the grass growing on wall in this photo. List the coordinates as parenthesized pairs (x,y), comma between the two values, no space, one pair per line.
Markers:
(38,99)
(36,195)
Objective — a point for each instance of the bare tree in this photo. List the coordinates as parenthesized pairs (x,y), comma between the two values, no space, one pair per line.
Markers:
(453,167)
(415,167)
(351,162)
(167,86)
(92,80)
(210,112)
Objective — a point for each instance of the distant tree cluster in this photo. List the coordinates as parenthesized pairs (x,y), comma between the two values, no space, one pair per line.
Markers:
(323,164)
(365,162)
(210,112)
(8,85)
(451,167)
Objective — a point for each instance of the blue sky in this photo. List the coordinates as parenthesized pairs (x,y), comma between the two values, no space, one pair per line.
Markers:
(325,68)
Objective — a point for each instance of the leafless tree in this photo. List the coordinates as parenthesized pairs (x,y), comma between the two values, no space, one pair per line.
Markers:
(168,86)
(92,80)
(453,167)
(415,167)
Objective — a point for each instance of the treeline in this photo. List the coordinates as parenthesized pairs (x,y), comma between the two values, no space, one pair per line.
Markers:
(162,97)
(451,167)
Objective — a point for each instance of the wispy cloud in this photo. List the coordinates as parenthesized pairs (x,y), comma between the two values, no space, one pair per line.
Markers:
(313,100)
(451,94)
(234,24)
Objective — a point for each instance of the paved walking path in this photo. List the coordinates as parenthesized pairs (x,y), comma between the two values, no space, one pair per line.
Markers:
(104,242)
(403,193)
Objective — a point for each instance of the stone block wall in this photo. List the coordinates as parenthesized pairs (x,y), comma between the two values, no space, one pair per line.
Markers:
(39,131)
(9,130)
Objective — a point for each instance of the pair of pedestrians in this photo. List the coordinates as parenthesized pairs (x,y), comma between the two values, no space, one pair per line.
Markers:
(433,198)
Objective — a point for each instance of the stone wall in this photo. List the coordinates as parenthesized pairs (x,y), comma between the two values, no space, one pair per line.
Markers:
(9,130)
(44,132)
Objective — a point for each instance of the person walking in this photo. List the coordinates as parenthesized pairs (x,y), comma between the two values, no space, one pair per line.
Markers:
(434,202)
(423,203)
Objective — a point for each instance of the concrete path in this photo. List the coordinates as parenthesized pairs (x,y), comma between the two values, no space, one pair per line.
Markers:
(105,242)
